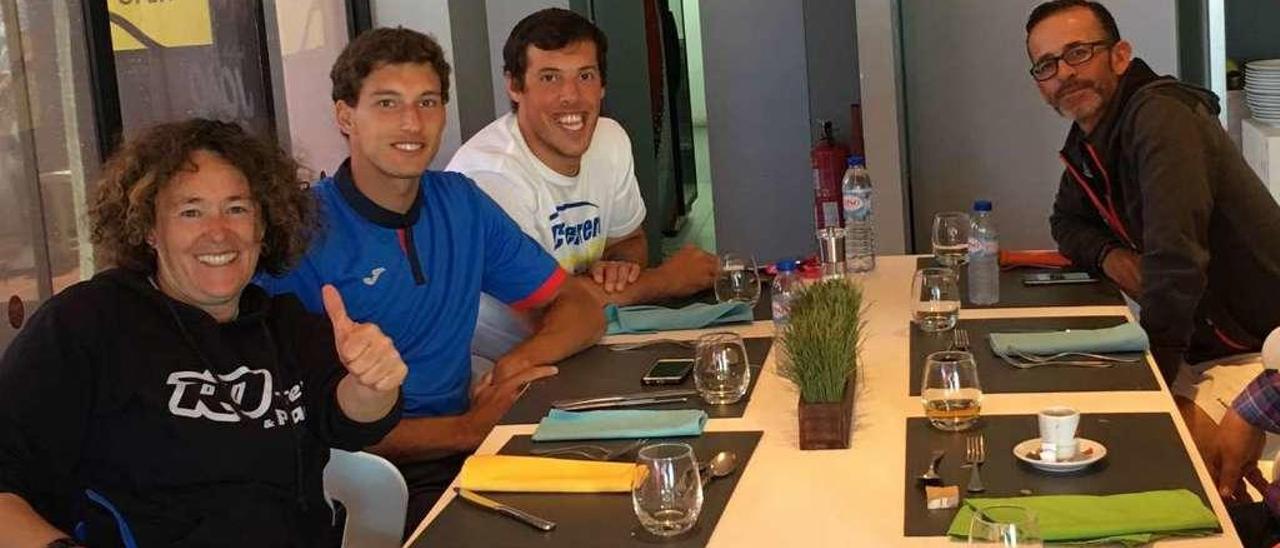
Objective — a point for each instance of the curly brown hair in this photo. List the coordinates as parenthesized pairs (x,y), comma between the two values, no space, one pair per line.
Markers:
(124,208)
(384,46)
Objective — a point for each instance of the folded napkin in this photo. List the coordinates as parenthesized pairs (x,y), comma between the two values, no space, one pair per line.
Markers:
(561,425)
(646,318)
(1130,519)
(1041,258)
(1126,337)
(544,475)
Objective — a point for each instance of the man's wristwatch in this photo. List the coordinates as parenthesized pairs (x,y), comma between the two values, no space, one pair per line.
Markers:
(64,542)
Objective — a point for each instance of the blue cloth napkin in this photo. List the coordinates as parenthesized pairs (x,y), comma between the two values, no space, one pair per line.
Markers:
(1127,337)
(647,319)
(561,425)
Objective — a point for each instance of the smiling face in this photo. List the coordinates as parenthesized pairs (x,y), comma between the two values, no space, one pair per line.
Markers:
(395,126)
(207,235)
(1080,93)
(559,103)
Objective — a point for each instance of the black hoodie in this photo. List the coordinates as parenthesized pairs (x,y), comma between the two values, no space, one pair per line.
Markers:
(198,433)
(1183,197)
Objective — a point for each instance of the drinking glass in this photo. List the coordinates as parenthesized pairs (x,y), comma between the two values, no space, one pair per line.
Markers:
(666,490)
(1007,526)
(739,279)
(950,391)
(720,369)
(935,299)
(951,238)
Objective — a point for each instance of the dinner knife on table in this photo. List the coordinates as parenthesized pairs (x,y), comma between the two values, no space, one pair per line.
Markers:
(509,511)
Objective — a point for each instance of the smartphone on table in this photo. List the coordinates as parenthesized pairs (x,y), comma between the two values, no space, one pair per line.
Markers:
(1058,278)
(668,371)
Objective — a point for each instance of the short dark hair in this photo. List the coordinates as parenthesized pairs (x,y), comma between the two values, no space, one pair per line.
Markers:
(550,29)
(385,46)
(124,208)
(1054,7)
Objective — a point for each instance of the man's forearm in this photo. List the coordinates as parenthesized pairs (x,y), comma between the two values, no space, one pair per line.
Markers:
(650,287)
(633,249)
(572,322)
(425,438)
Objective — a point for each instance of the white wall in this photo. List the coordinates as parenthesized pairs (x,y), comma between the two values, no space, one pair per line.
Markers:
(503,16)
(430,17)
(311,33)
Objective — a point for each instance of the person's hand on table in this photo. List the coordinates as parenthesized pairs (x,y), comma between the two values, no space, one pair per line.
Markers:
(1234,458)
(615,276)
(1124,267)
(690,270)
(492,398)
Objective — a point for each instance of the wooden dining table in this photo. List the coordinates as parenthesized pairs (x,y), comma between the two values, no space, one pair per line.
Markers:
(859,496)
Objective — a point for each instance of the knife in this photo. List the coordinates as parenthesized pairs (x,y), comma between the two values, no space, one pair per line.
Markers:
(655,394)
(516,513)
(623,403)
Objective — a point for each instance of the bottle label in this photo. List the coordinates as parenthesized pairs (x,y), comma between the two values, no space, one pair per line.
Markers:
(977,246)
(857,205)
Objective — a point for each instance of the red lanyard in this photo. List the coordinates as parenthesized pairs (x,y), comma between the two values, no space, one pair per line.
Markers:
(1108,212)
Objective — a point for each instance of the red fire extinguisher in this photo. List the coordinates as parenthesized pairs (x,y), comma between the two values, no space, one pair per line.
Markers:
(828,159)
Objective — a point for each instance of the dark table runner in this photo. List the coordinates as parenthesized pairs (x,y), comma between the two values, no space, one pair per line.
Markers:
(998,377)
(1144,453)
(599,371)
(1013,294)
(600,519)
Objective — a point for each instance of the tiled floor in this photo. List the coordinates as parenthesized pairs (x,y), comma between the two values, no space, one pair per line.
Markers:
(700,228)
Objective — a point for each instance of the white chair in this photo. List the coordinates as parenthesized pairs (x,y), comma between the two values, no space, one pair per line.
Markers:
(374,494)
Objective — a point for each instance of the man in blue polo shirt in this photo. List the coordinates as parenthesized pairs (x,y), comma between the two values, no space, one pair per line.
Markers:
(411,250)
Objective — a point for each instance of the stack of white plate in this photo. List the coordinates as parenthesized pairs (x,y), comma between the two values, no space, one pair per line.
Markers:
(1262,90)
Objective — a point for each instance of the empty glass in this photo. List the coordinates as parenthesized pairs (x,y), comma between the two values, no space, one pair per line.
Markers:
(1007,526)
(950,391)
(935,299)
(951,238)
(739,279)
(720,369)
(666,490)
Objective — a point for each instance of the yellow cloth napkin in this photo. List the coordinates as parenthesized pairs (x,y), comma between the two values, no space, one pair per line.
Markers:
(544,475)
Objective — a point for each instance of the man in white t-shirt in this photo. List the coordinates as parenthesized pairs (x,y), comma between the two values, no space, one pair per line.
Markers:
(566,175)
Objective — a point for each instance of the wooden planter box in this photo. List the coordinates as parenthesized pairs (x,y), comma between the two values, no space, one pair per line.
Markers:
(827,425)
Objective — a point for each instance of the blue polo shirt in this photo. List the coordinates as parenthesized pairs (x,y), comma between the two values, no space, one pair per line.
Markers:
(419,275)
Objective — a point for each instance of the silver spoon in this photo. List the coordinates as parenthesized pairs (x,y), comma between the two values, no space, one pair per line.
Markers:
(931,476)
(720,466)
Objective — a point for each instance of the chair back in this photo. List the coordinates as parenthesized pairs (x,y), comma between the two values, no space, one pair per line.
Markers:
(374,494)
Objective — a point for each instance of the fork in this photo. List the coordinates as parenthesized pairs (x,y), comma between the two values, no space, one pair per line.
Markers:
(975,452)
(635,345)
(590,452)
(960,340)
(1073,363)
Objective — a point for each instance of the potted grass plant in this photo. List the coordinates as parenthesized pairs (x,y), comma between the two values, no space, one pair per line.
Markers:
(821,345)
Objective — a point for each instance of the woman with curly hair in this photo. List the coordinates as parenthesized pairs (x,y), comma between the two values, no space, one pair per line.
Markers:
(167,401)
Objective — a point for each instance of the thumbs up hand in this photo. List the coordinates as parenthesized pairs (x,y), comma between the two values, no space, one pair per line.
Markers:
(369,356)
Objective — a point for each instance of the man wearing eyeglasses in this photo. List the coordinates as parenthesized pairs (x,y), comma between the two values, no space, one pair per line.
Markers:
(1156,196)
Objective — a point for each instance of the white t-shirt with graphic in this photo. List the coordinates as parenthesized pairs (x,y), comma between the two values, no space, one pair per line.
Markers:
(572,217)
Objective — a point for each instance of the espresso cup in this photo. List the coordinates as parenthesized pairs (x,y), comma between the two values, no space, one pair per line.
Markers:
(1058,433)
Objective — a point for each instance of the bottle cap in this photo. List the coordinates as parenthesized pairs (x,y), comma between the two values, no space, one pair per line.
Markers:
(856,160)
(982,205)
(786,265)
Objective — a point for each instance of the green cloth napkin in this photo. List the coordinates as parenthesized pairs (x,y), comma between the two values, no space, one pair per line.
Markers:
(1126,337)
(647,319)
(561,425)
(1131,519)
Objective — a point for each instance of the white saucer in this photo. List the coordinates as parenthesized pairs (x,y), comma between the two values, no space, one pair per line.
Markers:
(1087,453)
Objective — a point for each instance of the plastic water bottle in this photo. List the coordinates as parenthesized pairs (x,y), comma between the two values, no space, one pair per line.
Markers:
(984,256)
(785,285)
(860,234)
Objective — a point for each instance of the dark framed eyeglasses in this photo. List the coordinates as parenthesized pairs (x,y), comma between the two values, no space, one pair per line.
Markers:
(1076,55)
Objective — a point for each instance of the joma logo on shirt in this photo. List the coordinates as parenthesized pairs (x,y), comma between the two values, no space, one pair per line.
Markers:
(243,394)
(575,234)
